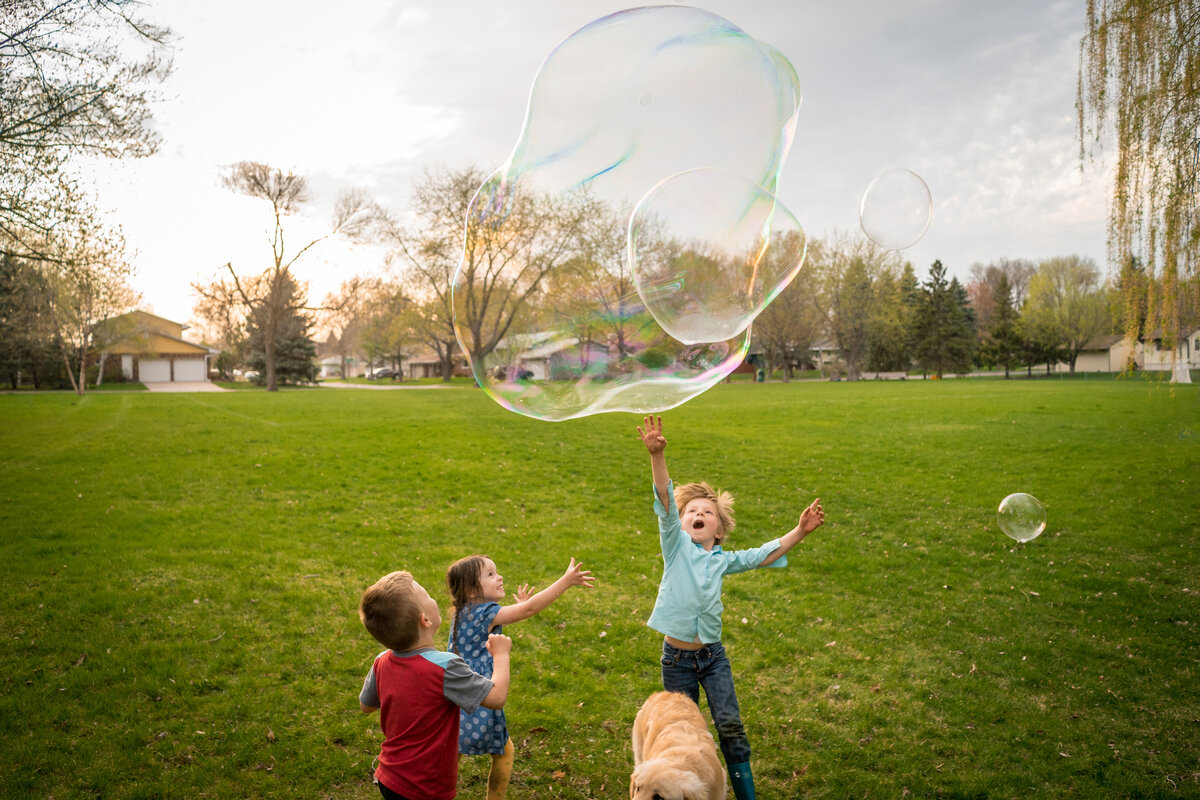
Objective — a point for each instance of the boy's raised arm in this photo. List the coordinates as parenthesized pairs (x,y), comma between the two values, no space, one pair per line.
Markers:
(811,518)
(656,444)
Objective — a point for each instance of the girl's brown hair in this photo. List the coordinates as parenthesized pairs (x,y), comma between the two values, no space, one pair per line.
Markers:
(463,582)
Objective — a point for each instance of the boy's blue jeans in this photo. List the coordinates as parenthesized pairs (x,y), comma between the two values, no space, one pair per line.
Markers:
(685,671)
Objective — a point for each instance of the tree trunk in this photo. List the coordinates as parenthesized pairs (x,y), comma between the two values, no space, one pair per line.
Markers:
(100,372)
(1179,367)
(269,354)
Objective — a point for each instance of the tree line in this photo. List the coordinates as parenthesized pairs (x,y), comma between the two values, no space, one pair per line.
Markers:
(553,261)
(77,82)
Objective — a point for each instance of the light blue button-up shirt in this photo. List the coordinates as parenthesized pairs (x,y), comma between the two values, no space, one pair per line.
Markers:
(689,604)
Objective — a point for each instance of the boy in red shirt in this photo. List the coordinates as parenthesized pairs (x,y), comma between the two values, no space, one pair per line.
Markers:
(419,689)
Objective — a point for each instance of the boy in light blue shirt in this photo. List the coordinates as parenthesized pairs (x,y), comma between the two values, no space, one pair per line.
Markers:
(693,521)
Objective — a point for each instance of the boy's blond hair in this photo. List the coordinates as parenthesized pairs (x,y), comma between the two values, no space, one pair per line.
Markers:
(390,612)
(722,500)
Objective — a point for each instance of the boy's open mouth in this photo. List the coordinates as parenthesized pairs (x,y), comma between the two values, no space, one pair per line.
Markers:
(698,524)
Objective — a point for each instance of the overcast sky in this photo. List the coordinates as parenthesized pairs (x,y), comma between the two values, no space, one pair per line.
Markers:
(976,96)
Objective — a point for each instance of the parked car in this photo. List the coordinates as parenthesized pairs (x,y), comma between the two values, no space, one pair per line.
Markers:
(386,372)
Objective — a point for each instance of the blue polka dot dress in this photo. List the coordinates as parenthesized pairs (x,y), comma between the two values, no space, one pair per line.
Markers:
(485,731)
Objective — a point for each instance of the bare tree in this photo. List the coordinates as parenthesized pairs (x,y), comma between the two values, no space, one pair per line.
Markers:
(68,88)
(485,269)
(845,270)
(789,325)
(983,287)
(87,273)
(592,294)
(273,298)
(344,319)
(220,320)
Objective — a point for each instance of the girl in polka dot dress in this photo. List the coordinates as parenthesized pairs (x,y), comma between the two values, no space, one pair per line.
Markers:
(477,588)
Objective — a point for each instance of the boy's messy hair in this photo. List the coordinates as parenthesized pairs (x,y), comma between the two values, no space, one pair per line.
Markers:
(722,500)
(463,580)
(390,612)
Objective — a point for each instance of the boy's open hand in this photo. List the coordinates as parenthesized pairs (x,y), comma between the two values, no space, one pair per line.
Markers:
(498,644)
(812,518)
(524,592)
(576,575)
(652,435)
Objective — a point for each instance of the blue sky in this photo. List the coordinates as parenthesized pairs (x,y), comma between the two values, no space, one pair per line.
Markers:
(975,96)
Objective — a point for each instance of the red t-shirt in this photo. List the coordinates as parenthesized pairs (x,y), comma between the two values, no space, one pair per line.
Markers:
(419,693)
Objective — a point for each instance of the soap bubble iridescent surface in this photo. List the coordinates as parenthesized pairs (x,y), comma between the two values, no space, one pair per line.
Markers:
(896,209)
(1021,516)
(712,249)
(635,221)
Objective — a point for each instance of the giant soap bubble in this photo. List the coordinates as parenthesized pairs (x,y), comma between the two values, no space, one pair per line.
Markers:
(565,301)
(896,209)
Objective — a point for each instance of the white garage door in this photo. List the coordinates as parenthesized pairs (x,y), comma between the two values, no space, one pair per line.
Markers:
(153,370)
(189,369)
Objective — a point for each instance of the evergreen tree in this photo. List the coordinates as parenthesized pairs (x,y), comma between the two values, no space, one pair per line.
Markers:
(295,353)
(1041,343)
(28,351)
(1003,347)
(944,337)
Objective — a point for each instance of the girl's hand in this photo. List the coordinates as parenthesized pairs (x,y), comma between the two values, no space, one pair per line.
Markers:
(523,593)
(652,435)
(812,518)
(498,643)
(576,575)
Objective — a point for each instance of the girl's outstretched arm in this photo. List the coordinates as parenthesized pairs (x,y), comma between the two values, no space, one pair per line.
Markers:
(575,575)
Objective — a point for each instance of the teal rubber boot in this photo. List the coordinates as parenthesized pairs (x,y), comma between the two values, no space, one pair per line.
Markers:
(742,781)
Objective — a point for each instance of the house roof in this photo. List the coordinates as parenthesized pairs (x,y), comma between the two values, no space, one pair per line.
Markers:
(1103,342)
(139,332)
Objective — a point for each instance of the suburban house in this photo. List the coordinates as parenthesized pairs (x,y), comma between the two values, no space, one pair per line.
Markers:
(1111,354)
(332,364)
(152,349)
(1156,357)
(1102,354)
(426,364)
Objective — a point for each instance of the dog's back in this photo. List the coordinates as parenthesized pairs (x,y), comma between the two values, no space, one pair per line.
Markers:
(673,751)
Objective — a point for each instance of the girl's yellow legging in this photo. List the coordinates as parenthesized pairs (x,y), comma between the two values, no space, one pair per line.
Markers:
(501,773)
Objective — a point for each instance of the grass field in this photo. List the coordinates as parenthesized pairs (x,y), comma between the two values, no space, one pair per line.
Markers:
(182,573)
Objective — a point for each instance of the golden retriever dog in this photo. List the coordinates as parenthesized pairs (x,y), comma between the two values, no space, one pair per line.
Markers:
(674,757)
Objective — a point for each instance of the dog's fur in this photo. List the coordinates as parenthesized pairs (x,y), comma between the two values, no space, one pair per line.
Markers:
(674,757)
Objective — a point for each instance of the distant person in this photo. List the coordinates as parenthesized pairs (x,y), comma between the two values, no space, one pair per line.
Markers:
(476,587)
(419,690)
(693,521)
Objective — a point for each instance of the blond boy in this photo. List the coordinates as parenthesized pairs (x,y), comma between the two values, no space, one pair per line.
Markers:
(693,521)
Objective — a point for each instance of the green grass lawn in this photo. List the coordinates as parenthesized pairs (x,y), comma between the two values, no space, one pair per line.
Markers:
(182,573)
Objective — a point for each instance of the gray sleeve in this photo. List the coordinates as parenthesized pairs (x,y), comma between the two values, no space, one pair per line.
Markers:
(369,696)
(463,687)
